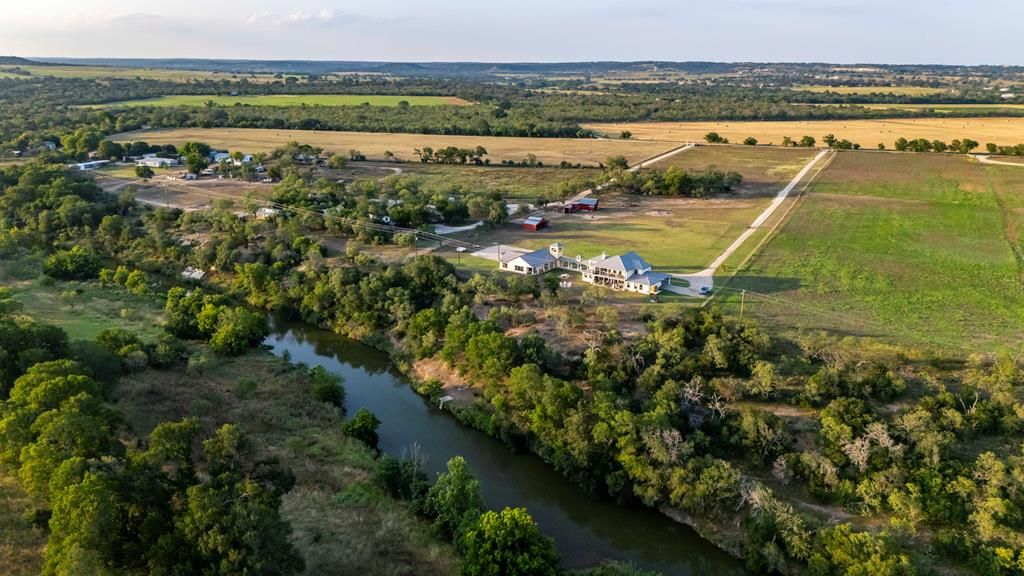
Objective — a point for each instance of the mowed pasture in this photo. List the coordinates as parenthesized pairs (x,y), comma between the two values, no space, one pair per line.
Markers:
(673,234)
(287,100)
(867,133)
(514,184)
(914,249)
(550,151)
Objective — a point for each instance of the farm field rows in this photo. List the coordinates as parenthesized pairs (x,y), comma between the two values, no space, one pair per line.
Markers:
(373,144)
(867,133)
(918,249)
(289,100)
(673,234)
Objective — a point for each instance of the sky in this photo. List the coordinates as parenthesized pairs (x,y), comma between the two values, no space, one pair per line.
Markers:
(839,31)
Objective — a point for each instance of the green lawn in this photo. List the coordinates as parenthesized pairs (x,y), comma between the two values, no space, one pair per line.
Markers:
(918,249)
(289,100)
(91,310)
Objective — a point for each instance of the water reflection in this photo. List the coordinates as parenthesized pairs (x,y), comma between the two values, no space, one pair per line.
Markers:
(586,531)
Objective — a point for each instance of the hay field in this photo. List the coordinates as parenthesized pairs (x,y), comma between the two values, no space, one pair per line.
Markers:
(898,90)
(765,169)
(550,151)
(289,100)
(919,249)
(867,133)
(102,72)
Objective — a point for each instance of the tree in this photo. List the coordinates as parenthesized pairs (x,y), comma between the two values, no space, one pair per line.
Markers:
(454,500)
(750,141)
(238,329)
(337,161)
(326,387)
(363,426)
(714,138)
(75,264)
(508,543)
(841,551)
(625,135)
(808,141)
(830,140)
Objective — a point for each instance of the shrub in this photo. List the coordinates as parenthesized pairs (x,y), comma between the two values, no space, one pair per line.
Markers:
(326,387)
(75,264)
(363,426)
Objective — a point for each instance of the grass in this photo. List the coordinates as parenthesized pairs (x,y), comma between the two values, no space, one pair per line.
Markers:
(673,234)
(868,133)
(21,544)
(290,100)
(898,90)
(550,151)
(912,249)
(514,184)
(91,310)
(342,523)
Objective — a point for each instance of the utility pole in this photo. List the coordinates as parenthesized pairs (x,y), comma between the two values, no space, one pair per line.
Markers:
(743,300)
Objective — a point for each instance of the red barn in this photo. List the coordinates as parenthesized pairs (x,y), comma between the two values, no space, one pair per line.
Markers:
(534,223)
(585,205)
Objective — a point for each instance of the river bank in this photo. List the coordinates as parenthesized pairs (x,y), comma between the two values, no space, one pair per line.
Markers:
(586,531)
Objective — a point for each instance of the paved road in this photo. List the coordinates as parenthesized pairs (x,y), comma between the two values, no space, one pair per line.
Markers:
(706,277)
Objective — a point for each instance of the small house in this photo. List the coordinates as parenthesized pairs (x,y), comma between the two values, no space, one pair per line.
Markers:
(534,223)
(191,273)
(267,213)
(154,161)
(585,205)
(92,164)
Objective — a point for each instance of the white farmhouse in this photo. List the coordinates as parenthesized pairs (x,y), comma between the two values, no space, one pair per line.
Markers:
(628,272)
(154,161)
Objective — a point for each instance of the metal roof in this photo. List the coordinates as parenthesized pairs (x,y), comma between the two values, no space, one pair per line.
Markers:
(627,262)
(538,258)
(587,201)
(533,220)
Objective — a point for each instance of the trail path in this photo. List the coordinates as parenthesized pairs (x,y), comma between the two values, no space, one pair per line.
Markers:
(989,160)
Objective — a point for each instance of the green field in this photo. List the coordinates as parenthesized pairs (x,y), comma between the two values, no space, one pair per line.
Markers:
(289,100)
(91,310)
(918,249)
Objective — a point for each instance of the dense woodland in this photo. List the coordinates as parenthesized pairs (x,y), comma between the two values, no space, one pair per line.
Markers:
(926,449)
(33,109)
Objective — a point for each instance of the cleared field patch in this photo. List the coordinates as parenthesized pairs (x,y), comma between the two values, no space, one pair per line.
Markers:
(868,133)
(514,184)
(550,151)
(951,108)
(916,249)
(765,169)
(84,309)
(287,100)
(898,90)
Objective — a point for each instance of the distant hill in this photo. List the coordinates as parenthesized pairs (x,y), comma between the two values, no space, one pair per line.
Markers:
(18,61)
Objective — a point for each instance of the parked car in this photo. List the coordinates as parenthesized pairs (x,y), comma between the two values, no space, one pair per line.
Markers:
(704,290)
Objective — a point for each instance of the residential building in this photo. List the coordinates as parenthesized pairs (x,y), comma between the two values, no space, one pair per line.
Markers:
(91,165)
(628,272)
(154,161)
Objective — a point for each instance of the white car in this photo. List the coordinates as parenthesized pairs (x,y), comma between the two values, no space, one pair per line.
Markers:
(704,290)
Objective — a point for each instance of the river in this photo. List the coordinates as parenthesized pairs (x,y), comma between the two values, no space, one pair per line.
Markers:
(585,531)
